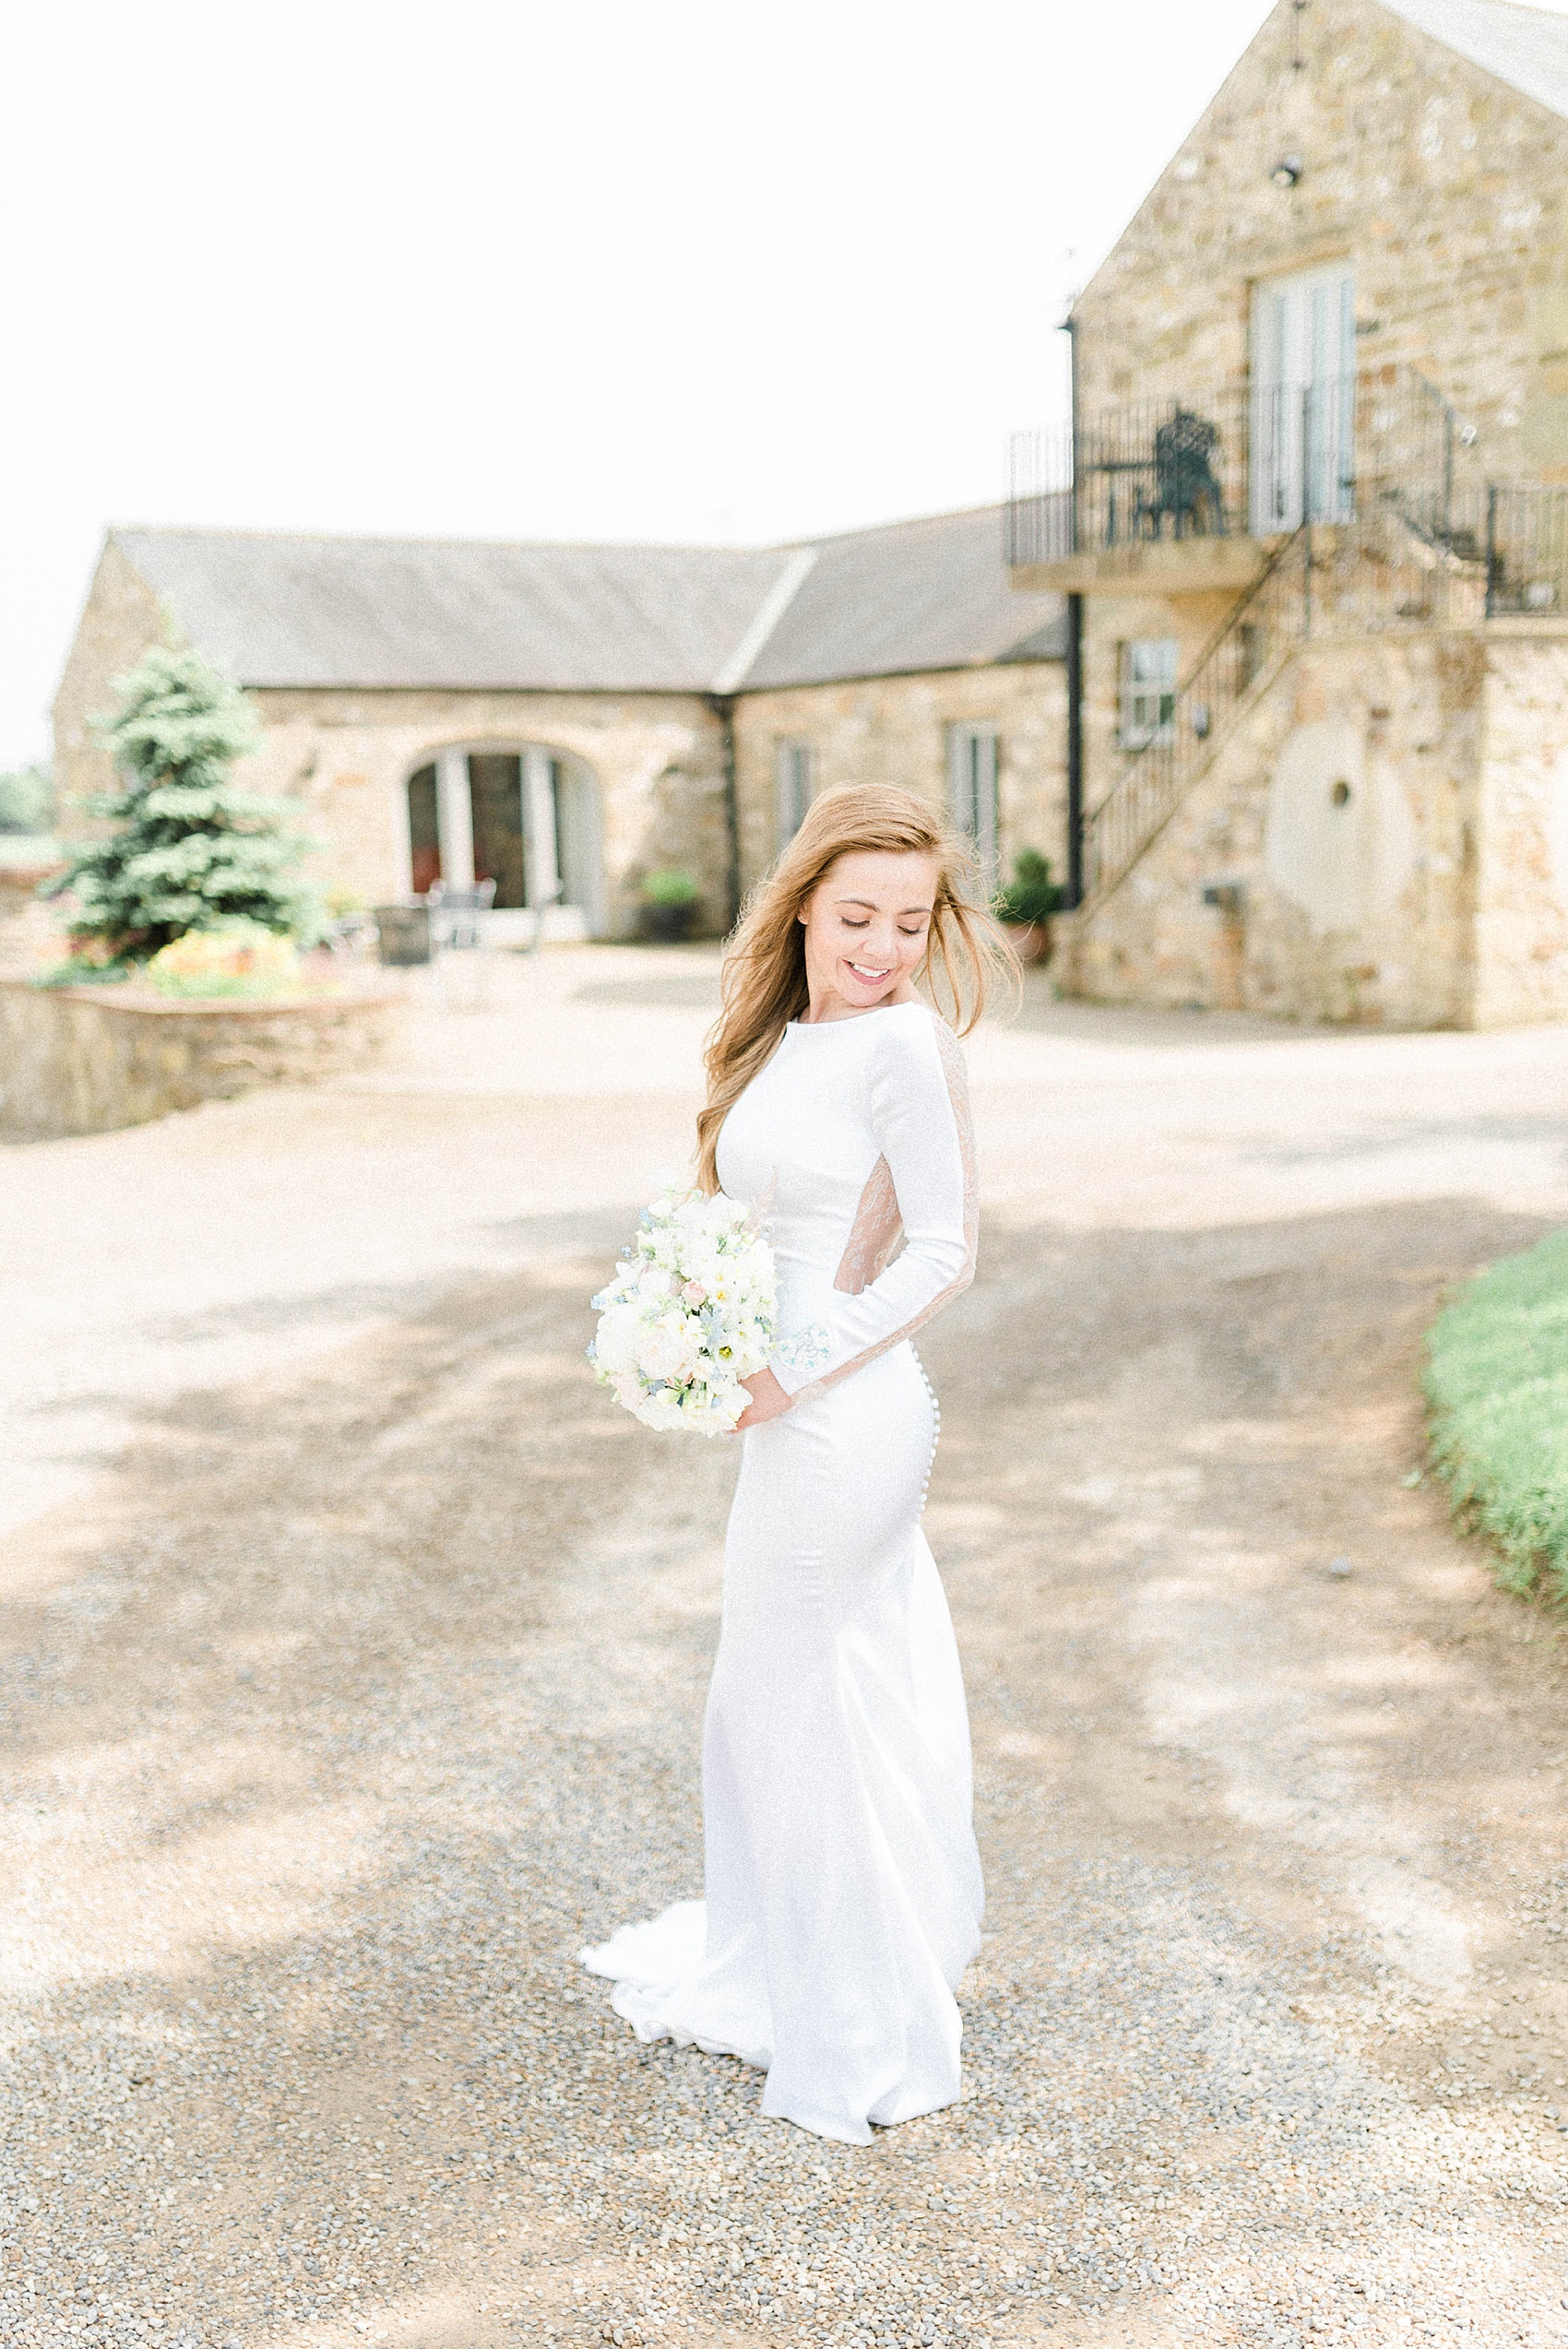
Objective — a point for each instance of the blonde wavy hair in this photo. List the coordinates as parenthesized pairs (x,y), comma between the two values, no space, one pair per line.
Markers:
(764,969)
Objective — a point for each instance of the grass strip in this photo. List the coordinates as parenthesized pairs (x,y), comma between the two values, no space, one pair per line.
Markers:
(1497,1382)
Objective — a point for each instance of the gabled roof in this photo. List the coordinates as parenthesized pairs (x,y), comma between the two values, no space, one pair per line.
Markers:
(1525,47)
(931,594)
(376,613)
(301,611)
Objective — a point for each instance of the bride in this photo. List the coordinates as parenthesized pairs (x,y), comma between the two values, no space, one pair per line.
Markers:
(843,1886)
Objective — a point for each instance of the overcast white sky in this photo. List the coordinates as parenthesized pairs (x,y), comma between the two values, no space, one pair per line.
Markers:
(689,270)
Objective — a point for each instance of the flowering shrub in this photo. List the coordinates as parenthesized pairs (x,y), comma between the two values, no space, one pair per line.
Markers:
(689,1316)
(240,958)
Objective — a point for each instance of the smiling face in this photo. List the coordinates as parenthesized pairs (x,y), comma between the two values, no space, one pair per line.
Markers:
(866,925)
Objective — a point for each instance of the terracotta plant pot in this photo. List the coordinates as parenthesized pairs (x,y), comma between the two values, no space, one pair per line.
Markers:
(1031,941)
(667,925)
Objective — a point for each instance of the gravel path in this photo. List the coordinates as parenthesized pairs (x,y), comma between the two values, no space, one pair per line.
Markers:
(351,1658)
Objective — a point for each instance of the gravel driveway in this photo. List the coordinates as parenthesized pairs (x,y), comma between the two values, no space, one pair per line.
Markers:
(352,1650)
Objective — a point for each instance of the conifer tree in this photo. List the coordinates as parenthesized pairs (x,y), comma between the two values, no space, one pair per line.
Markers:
(187,851)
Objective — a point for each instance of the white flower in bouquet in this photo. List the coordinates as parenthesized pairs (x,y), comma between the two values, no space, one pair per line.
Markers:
(688,1316)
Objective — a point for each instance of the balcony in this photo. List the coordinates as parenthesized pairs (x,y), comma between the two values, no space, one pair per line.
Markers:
(1187,493)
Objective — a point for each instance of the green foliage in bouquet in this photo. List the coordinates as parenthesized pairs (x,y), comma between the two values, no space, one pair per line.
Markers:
(188,851)
(669,886)
(1031,895)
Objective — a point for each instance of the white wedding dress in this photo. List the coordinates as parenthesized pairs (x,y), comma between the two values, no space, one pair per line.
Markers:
(843,1886)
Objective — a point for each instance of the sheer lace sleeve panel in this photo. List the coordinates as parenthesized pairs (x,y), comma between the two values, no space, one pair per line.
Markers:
(876,1232)
(923,1182)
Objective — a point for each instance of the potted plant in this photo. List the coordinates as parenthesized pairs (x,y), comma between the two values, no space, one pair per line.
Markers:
(1025,906)
(670,899)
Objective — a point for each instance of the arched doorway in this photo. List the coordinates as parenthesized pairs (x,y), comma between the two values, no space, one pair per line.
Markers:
(524,815)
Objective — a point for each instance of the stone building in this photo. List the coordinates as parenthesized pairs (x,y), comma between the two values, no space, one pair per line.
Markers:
(1311,524)
(568,720)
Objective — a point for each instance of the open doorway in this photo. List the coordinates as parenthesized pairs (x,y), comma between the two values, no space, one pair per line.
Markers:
(424,832)
(495,791)
(525,816)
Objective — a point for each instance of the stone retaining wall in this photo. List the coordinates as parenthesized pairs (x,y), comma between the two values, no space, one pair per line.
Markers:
(86,1060)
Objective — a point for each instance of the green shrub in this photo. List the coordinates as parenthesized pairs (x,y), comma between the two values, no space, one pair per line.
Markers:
(669,886)
(188,851)
(1031,895)
(1497,1382)
(26,801)
(84,970)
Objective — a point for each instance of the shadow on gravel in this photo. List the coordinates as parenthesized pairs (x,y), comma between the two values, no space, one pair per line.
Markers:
(1042,1013)
(339,1835)
(1271,1309)
(380,1691)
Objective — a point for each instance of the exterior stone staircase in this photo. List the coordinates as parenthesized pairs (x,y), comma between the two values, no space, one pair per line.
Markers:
(1384,570)
(1230,675)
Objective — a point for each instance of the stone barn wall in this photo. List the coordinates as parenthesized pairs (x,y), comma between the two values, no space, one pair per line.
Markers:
(893,730)
(659,759)
(122,620)
(1447,190)
(1521,914)
(1384,839)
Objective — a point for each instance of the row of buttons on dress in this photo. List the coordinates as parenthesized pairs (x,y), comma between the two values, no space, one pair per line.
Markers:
(936,1426)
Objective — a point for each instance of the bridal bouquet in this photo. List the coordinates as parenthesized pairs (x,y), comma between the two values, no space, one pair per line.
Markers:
(690,1314)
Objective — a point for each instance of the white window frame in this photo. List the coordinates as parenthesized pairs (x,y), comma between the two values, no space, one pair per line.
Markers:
(1147,669)
(794,784)
(974,775)
(1303,405)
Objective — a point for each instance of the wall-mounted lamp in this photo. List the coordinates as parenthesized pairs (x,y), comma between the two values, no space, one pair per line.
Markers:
(1288,171)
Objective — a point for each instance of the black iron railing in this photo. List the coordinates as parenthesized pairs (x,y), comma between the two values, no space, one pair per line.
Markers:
(1232,670)
(1415,533)
(1149,469)
(1416,455)
(1244,459)
(1037,520)
(1523,534)
(1497,550)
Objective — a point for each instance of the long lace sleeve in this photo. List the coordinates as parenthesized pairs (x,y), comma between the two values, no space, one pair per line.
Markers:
(924,1184)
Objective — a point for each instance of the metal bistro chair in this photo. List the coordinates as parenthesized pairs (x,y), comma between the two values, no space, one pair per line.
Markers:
(1186,484)
(455,913)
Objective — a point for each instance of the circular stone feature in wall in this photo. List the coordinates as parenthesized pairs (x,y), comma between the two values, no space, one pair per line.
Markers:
(1339,840)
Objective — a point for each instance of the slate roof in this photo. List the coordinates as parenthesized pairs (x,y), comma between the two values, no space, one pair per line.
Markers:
(931,594)
(1525,47)
(301,611)
(283,611)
